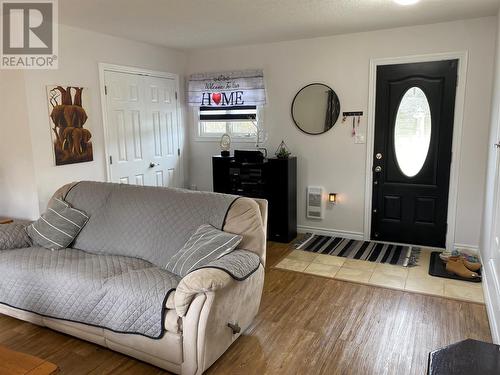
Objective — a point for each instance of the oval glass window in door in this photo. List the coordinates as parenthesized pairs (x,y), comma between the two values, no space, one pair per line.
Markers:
(412,131)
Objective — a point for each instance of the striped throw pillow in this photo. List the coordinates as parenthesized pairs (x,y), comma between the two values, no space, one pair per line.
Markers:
(205,245)
(58,226)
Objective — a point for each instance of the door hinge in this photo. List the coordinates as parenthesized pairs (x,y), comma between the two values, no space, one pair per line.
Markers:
(176,95)
(178,152)
(105,90)
(110,159)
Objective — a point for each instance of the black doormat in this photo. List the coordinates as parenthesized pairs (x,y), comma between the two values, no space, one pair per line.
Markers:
(438,268)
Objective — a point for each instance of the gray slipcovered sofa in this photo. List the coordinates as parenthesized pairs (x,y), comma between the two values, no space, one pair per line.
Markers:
(110,286)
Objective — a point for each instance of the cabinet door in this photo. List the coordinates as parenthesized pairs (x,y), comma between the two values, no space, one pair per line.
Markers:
(220,173)
(283,199)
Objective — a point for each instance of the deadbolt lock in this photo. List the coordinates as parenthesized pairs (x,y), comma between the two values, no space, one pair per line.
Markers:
(378,156)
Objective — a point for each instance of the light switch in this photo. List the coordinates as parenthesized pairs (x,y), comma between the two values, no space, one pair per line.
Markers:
(359,138)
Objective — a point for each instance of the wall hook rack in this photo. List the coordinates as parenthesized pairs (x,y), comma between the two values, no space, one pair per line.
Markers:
(345,115)
(356,117)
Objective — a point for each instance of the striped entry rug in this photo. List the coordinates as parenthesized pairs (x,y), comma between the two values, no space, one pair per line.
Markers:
(364,250)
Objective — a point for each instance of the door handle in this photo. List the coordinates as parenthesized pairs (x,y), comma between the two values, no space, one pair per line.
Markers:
(497,145)
(152,165)
(378,169)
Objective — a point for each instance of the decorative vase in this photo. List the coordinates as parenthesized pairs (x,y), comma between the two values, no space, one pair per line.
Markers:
(225,145)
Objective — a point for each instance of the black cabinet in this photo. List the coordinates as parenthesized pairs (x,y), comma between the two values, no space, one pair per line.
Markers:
(273,179)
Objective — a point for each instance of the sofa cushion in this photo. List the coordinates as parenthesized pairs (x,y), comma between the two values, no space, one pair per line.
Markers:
(122,294)
(58,226)
(145,222)
(14,236)
(205,245)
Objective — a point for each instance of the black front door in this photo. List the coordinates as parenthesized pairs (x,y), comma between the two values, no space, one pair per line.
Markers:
(415,106)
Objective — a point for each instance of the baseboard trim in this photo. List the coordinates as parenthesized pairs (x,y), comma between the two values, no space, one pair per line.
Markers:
(330,232)
(360,236)
(491,299)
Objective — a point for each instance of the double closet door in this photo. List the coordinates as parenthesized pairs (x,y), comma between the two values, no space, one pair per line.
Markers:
(143,130)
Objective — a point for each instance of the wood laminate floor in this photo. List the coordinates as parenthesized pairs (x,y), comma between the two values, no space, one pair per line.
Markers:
(306,325)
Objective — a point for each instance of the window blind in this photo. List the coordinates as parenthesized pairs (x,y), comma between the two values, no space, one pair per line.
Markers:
(234,113)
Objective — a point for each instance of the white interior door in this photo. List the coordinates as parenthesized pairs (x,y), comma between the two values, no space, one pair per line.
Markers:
(163,141)
(142,129)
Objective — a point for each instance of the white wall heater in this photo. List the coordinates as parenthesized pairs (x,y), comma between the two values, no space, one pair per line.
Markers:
(315,207)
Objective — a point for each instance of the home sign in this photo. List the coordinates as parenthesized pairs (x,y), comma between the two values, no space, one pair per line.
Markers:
(227,89)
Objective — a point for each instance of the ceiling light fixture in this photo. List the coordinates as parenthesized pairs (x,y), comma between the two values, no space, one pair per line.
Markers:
(406,2)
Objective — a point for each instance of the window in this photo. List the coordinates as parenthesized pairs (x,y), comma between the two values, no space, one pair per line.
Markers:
(412,131)
(237,121)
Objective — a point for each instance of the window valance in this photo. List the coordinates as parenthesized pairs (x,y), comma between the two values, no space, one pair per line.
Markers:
(227,89)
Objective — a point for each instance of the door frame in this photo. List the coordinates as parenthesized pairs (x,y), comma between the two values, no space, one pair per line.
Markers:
(462,57)
(105,67)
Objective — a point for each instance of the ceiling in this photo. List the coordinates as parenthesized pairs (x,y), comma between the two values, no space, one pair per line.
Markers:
(188,24)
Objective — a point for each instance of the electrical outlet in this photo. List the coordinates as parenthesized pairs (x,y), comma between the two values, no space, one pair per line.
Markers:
(359,138)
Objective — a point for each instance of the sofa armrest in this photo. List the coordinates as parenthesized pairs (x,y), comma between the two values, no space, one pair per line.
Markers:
(14,236)
(200,281)
(210,322)
(235,266)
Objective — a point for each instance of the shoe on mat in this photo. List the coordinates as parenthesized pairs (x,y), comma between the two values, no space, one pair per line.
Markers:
(457,267)
(469,255)
(447,254)
(471,261)
(473,266)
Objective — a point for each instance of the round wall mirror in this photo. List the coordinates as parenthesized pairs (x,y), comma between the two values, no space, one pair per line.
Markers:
(315,108)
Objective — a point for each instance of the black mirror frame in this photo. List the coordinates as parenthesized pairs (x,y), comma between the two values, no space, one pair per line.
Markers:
(336,103)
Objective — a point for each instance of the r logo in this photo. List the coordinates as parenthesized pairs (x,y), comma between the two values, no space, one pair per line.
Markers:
(29,33)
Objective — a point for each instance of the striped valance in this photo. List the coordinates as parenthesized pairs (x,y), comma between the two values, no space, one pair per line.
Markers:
(228,89)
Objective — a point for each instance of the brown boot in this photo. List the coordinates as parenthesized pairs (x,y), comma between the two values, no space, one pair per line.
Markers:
(472,266)
(457,267)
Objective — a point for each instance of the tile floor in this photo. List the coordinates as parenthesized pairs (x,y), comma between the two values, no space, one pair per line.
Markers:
(412,279)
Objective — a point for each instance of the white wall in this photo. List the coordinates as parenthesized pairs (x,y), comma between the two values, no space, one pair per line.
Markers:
(18,197)
(80,51)
(488,249)
(491,177)
(333,160)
